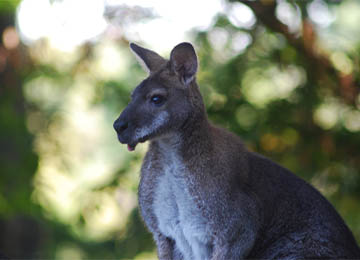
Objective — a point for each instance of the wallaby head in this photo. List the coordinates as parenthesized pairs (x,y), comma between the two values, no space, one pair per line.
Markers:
(165,101)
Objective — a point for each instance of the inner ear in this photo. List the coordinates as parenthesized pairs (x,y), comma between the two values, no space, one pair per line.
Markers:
(148,59)
(183,61)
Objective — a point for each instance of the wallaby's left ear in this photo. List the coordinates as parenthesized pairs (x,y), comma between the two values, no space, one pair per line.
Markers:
(184,62)
(149,60)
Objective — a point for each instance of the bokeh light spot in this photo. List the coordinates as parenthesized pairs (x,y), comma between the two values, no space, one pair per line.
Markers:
(10,38)
(326,115)
(246,116)
(241,15)
(342,62)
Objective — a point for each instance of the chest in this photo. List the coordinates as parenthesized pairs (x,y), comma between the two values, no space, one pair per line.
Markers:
(178,214)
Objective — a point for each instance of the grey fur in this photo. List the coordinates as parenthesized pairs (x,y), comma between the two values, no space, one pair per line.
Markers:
(203,195)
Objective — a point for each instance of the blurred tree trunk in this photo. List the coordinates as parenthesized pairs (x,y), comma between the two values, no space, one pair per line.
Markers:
(20,232)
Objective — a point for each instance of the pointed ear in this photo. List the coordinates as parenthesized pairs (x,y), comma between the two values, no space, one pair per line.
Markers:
(149,60)
(184,62)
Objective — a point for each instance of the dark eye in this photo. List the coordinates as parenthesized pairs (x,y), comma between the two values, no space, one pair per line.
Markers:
(157,100)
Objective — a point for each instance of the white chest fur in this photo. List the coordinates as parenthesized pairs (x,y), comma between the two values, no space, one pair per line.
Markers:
(177,214)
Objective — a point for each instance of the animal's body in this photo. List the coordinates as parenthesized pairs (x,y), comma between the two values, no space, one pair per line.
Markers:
(203,195)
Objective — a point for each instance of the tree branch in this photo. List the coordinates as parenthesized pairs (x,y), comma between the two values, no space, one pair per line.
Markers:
(319,63)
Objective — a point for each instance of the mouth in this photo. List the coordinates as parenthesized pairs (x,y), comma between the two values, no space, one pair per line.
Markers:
(131,146)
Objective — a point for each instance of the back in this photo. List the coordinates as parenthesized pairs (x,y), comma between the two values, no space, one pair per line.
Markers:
(297,220)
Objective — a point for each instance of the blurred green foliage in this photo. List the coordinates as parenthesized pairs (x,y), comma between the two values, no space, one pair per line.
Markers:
(8,6)
(288,86)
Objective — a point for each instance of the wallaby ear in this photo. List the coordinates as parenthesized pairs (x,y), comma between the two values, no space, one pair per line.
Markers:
(184,62)
(149,60)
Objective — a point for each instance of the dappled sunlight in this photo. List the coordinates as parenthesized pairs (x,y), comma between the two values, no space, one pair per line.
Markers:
(75,160)
(332,113)
(103,215)
(327,115)
(111,61)
(85,178)
(320,13)
(169,16)
(60,22)
(352,120)
(221,39)
(246,116)
(43,91)
(289,14)
(78,149)
(240,42)
(43,53)
(240,15)
(347,18)
(338,27)
(69,251)
(68,67)
(218,38)
(79,152)
(342,62)
(263,85)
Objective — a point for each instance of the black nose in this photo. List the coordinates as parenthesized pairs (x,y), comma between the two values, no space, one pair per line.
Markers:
(120,126)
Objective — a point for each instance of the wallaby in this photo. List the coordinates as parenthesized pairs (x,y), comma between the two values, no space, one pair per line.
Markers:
(202,194)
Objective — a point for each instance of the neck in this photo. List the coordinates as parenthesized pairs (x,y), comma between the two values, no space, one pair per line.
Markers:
(191,140)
